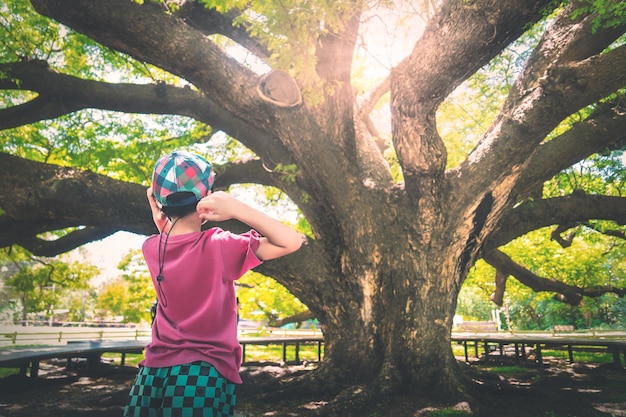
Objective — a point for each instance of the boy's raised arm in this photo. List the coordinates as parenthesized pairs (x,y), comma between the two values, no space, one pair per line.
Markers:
(278,240)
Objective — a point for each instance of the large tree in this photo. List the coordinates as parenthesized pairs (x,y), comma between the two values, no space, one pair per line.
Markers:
(386,258)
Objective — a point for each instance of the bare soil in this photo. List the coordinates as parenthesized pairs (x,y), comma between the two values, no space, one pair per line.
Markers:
(500,388)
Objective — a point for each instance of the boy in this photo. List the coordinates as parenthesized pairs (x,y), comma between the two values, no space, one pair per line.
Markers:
(192,364)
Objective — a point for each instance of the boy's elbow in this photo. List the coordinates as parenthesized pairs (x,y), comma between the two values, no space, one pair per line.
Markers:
(272,251)
(300,241)
(293,245)
(296,244)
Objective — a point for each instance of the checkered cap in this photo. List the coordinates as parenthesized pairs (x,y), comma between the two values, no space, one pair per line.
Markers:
(181,171)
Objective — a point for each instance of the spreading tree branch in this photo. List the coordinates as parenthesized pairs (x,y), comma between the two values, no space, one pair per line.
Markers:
(557,234)
(603,129)
(555,83)
(567,240)
(274,321)
(42,247)
(433,70)
(569,294)
(498,294)
(210,22)
(150,35)
(368,101)
(50,197)
(574,208)
(39,198)
(35,201)
(366,104)
(620,234)
(60,94)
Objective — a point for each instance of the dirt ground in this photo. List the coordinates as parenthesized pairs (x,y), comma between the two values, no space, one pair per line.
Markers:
(556,389)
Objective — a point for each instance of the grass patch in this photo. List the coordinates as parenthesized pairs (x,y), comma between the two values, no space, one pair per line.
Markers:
(254,353)
(448,412)
(507,369)
(132,359)
(274,353)
(581,356)
(4,372)
(458,350)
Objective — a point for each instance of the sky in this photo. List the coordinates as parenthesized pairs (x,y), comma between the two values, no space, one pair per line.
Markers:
(107,253)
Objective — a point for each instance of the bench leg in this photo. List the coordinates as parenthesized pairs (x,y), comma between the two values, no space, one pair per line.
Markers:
(93,364)
(538,355)
(616,359)
(34,369)
(570,352)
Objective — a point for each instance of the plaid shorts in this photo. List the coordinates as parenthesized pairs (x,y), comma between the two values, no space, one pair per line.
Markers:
(190,390)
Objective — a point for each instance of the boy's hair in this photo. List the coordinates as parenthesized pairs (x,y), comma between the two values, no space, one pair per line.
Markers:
(175,210)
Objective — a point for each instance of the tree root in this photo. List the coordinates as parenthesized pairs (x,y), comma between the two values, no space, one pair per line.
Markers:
(320,393)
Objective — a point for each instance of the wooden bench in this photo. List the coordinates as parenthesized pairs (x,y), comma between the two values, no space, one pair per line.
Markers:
(285,341)
(30,357)
(614,346)
(562,328)
(478,326)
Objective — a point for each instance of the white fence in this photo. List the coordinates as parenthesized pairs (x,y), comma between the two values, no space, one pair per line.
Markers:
(53,335)
(43,335)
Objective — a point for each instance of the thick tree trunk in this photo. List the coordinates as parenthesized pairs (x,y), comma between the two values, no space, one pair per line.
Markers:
(404,347)
(387,318)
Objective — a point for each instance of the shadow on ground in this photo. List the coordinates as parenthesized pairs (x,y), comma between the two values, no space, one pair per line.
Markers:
(502,388)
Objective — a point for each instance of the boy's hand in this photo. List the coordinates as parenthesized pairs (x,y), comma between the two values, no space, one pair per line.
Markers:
(159,218)
(218,206)
(277,239)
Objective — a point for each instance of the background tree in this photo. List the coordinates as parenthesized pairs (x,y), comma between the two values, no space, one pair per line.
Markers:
(81,304)
(112,299)
(262,298)
(39,284)
(131,294)
(390,245)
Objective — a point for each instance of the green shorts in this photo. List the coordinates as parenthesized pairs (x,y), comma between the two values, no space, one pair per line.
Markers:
(191,390)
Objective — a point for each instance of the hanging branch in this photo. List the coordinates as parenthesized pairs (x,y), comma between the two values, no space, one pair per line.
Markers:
(566,293)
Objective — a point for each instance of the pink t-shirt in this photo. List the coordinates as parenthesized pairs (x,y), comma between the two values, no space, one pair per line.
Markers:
(196,318)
